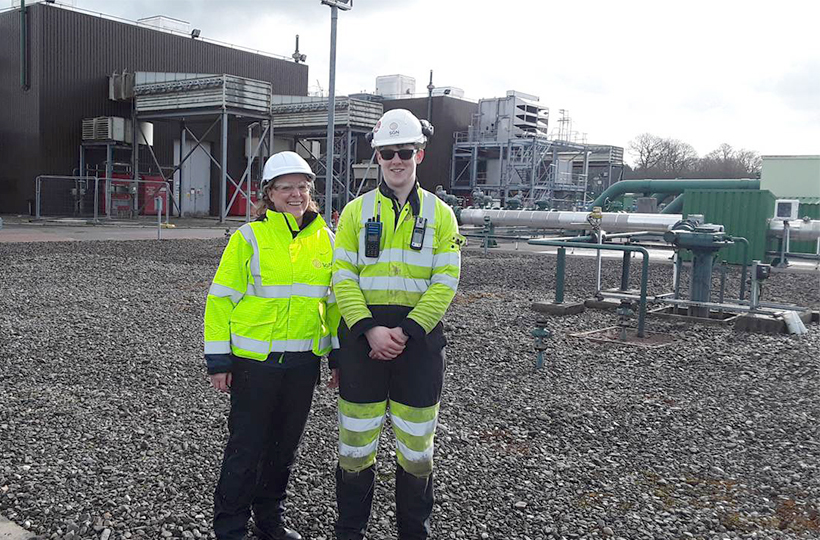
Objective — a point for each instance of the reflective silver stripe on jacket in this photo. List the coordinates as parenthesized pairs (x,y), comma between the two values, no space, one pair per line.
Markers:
(369,204)
(286,291)
(256,270)
(444,279)
(341,275)
(265,347)
(428,208)
(393,283)
(217,347)
(342,254)
(222,291)
(451,258)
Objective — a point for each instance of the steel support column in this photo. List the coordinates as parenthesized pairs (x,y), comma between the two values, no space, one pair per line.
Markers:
(223,187)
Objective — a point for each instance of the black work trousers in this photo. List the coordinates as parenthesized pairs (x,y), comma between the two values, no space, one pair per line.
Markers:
(269,409)
(415,378)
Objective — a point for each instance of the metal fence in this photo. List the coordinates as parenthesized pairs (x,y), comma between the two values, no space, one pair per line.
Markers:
(93,198)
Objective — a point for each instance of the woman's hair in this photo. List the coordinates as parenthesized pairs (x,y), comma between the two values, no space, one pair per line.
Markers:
(265,203)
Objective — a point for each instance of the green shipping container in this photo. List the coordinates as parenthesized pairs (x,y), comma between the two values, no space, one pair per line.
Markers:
(742,212)
(809,207)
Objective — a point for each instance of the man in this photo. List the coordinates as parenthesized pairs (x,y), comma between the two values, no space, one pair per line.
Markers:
(395,271)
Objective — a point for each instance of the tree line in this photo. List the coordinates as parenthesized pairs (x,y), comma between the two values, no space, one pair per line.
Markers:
(659,157)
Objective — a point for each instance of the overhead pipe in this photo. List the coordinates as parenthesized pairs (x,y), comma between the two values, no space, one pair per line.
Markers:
(670,186)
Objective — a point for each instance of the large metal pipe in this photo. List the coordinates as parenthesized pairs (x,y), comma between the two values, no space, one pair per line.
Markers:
(675,206)
(670,186)
(798,229)
(612,222)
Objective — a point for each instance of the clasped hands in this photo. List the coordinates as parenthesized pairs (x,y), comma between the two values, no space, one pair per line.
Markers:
(385,343)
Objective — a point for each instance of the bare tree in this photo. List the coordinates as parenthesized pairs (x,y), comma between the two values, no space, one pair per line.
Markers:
(726,162)
(676,158)
(646,149)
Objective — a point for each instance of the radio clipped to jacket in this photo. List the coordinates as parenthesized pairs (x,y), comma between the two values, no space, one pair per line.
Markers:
(372,238)
(417,240)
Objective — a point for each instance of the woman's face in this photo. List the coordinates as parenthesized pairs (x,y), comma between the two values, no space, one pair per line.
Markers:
(291,193)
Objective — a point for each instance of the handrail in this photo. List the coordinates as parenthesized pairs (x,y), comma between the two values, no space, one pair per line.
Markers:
(605,247)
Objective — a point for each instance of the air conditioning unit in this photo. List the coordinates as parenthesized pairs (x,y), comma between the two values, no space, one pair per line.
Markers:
(114,128)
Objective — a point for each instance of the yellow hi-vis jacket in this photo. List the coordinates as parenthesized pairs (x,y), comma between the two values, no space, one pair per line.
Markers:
(424,280)
(271,292)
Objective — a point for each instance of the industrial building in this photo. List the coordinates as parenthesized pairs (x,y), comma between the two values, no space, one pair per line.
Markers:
(57,74)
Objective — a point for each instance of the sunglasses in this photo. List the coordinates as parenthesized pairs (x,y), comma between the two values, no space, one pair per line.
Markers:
(404,154)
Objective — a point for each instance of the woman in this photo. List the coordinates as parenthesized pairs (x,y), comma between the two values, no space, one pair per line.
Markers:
(267,323)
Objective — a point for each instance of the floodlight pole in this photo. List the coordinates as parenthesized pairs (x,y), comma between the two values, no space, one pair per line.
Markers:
(331,116)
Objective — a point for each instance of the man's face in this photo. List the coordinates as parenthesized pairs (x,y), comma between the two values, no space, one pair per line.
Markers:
(399,173)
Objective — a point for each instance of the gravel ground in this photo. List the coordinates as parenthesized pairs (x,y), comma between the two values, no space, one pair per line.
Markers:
(109,430)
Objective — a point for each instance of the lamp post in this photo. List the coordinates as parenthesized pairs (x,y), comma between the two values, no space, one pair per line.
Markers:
(335,6)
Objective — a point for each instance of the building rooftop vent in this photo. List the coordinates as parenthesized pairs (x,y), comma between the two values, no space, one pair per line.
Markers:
(162,22)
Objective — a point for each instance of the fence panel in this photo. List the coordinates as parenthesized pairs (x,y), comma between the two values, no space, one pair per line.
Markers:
(95,198)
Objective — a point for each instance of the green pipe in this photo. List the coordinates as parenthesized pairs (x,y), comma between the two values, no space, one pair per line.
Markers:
(610,247)
(625,271)
(618,189)
(23,47)
(660,197)
(745,263)
(559,275)
(674,207)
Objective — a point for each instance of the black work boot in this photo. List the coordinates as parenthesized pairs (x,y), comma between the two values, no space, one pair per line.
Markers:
(414,504)
(280,532)
(354,498)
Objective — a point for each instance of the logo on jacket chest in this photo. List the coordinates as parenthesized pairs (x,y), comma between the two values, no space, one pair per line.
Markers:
(319,264)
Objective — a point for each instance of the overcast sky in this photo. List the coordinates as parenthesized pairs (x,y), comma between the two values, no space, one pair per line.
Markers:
(705,72)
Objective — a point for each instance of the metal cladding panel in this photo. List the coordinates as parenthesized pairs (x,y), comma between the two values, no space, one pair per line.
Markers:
(742,212)
(72,56)
(292,113)
(19,114)
(812,211)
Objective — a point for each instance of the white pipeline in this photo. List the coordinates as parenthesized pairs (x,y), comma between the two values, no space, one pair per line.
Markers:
(614,222)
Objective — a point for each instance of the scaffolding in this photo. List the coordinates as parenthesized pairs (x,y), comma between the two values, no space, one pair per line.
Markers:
(195,99)
(506,153)
(529,168)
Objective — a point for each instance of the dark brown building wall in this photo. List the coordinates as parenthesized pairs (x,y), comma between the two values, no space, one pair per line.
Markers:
(450,115)
(19,112)
(72,55)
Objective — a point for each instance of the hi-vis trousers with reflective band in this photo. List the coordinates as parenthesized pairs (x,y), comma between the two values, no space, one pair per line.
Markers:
(408,388)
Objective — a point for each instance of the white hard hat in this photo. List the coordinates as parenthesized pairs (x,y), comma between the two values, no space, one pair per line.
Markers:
(400,126)
(285,163)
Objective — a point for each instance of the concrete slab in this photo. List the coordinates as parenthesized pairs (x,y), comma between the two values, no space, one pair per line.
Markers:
(558,309)
(66,233)
(11,531)
(766,324)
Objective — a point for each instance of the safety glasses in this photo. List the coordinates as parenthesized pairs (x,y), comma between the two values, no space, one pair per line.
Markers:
(290,188)
(404,154)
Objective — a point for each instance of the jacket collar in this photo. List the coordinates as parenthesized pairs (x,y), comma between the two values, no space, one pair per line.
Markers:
(412,198)
(309,220)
